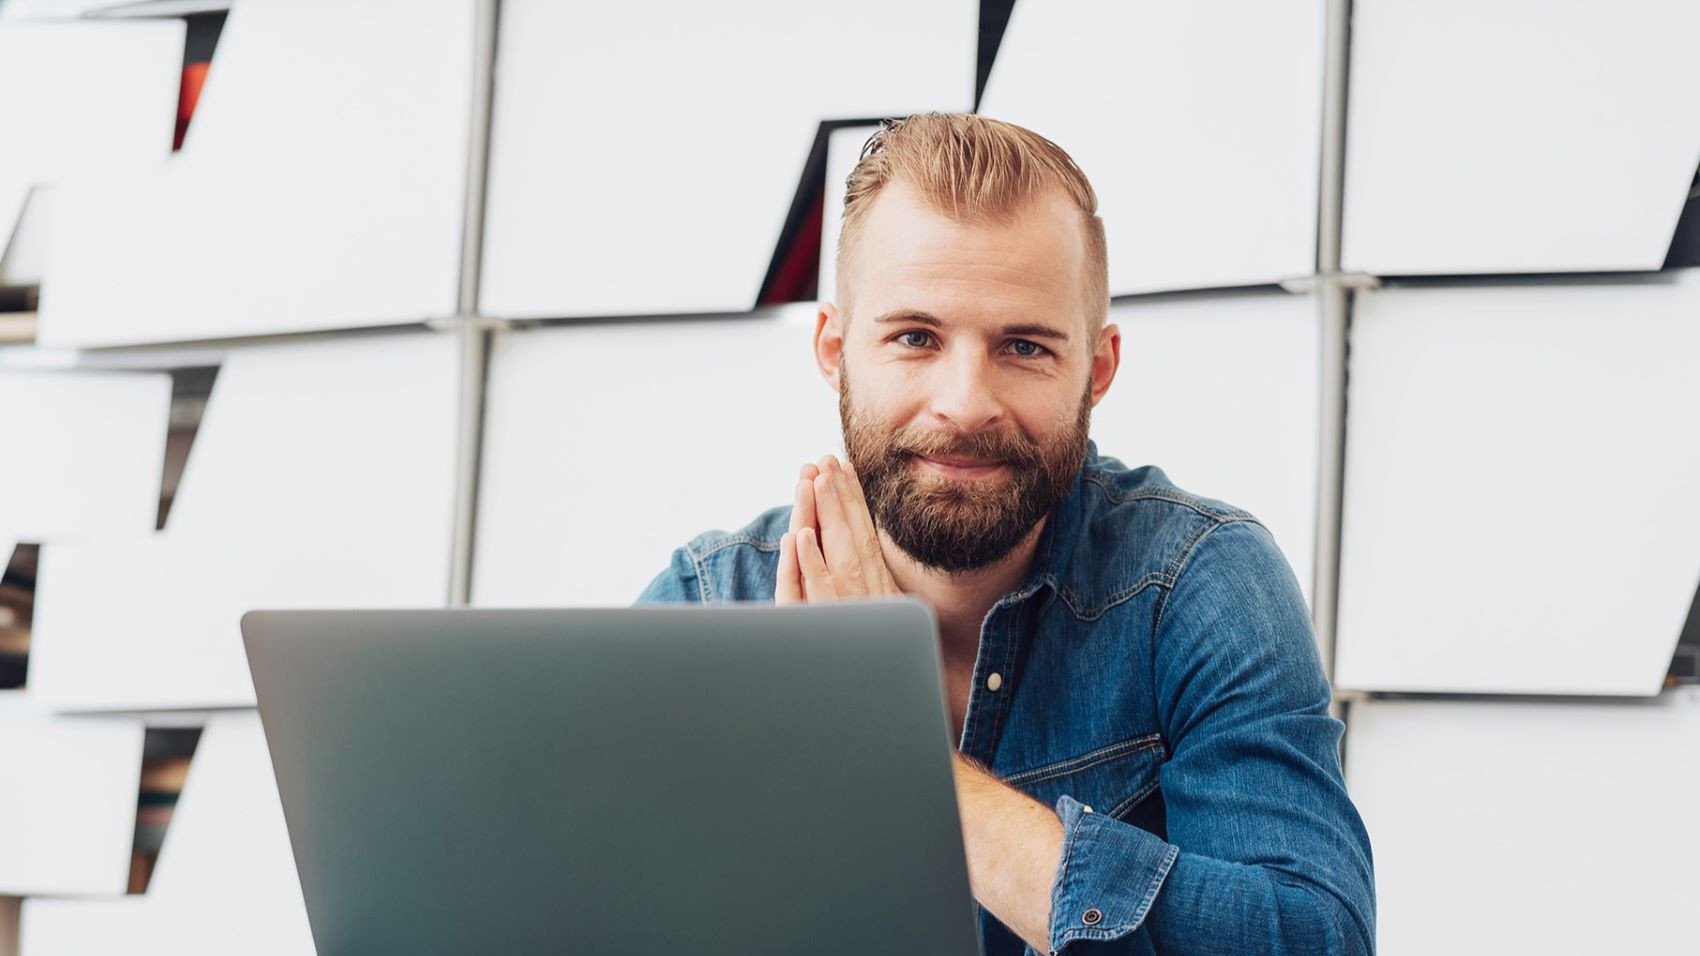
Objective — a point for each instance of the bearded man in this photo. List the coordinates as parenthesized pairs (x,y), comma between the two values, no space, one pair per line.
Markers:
(1146,758)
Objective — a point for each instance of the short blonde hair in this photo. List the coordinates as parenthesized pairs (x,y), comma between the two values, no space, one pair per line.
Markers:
(974,169)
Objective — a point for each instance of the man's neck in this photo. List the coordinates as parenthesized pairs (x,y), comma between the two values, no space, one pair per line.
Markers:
(962,600)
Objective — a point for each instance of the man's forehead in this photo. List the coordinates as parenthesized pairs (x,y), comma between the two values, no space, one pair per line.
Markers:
(899,219)
(914,256)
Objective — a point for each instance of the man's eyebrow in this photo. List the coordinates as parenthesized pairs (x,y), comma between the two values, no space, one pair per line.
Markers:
(1036,332)
(909,315)
(917,317)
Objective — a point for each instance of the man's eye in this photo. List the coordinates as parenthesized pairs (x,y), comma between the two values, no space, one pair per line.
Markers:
(1027,349)
(915,339)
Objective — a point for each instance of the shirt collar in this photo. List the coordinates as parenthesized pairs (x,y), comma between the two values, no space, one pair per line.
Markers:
(1056,547)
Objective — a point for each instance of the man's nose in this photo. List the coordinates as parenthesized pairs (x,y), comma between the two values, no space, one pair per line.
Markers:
(964,393)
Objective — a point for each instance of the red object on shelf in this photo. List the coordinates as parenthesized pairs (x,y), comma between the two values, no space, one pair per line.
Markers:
(189,94)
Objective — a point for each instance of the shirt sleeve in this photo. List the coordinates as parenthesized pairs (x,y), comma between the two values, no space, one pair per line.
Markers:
(678,584)
(1264,851)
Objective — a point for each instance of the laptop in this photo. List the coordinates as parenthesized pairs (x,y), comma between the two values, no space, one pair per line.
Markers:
(684,779)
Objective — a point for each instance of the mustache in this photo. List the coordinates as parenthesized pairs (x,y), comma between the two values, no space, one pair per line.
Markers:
(1000,447)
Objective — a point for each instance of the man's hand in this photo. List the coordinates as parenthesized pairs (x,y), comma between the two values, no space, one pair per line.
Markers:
(832,551)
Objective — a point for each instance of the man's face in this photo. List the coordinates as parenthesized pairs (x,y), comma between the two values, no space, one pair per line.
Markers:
(974,370)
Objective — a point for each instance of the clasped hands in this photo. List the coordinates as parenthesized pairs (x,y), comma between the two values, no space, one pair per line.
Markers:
(832,551)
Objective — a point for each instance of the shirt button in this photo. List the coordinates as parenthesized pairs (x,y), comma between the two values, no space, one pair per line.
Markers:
(994,681)
(1092,917)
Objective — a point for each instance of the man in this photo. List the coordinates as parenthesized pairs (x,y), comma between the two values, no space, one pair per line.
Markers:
(1147,763)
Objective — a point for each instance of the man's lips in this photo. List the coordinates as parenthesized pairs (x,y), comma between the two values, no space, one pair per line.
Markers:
(960,467)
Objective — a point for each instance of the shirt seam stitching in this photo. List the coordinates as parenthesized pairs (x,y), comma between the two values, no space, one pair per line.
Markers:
(1116,496)
(1179,564)
(759,542)
(704,583)
(1051,771)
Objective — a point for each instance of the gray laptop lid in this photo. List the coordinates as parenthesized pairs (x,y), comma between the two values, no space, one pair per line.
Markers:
(650,780)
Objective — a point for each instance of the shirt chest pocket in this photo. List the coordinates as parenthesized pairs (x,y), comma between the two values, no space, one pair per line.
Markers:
(1111,779)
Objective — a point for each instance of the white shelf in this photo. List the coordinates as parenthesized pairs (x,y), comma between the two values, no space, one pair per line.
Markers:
(161,8)
(1510,136)
(583,498)
(85,452)
(320,186)
(81,100)
(1518,827)
(68,809)
(644,157)
(1197,123)
(321,476)
(1520,514)
(225,881)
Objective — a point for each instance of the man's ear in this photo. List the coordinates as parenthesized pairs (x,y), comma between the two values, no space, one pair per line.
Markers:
(829,343)
(1106,360)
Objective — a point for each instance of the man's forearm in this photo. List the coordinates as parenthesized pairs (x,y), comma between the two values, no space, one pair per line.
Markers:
(1014,844)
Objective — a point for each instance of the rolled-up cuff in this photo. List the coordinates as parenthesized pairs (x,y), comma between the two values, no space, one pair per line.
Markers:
(1108,878)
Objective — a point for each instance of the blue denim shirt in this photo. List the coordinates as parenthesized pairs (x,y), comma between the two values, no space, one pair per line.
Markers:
(1161,688)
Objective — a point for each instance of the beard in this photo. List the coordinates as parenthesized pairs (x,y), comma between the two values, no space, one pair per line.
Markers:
(960,525)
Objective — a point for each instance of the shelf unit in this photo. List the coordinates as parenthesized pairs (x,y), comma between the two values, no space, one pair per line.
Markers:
(414,407)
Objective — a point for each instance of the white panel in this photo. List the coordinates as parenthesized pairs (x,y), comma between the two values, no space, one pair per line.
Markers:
(843,150)
(49,9)
(1530,827)
(583,499)
(645,155)
(80,99)
(23,261)
(1197,123)
(85,452)
(321,186)
(225,882)
(68,808)
(1221,393)
(227,855)
(322,476)
(1518,135)
(1520,511)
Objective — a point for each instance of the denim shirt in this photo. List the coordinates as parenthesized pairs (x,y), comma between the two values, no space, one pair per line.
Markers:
(1160,686)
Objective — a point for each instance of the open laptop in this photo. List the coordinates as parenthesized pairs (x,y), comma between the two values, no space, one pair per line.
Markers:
(736,779)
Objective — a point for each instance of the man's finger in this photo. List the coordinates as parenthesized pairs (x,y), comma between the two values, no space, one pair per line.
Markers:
(803,505)
(817,580)
(860,518)
(855,482)
(789,587)
(839,545)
